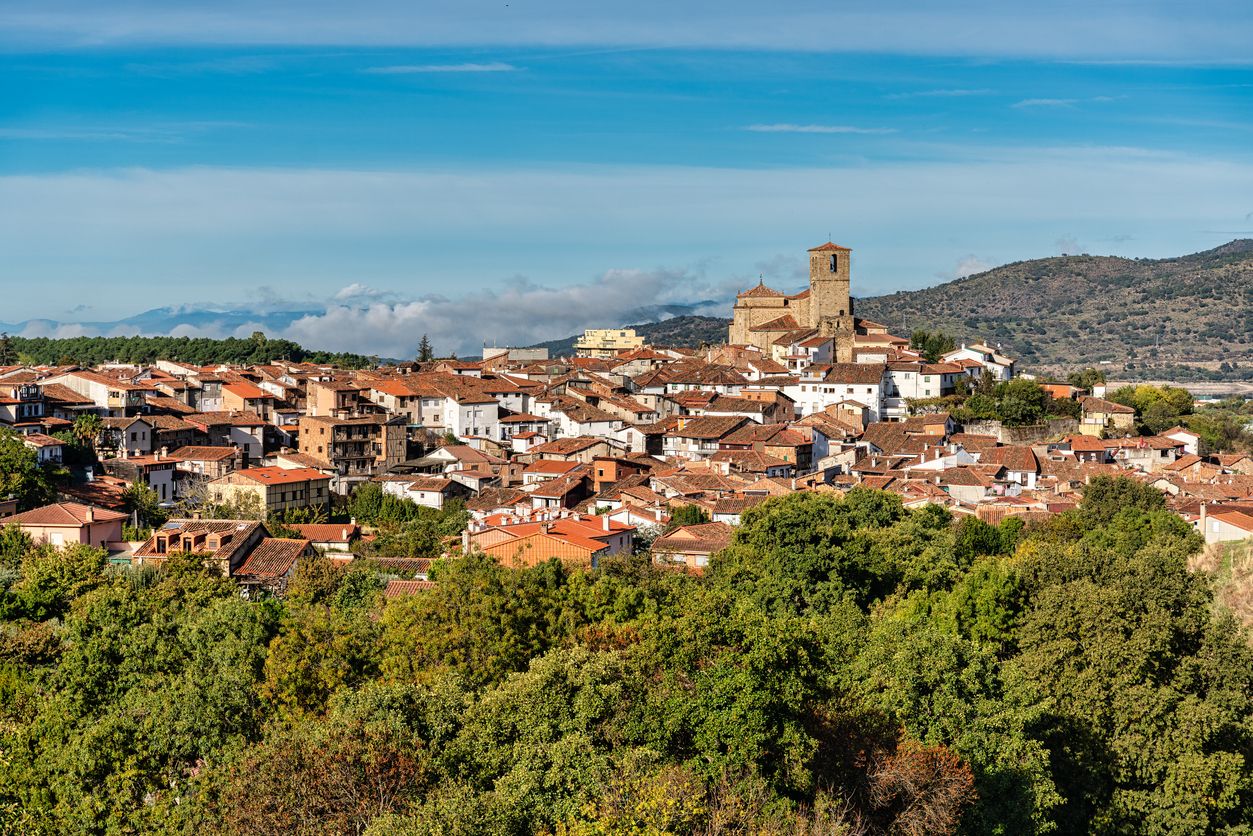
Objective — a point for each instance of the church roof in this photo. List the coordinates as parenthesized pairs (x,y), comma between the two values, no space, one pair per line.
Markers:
(784,323)
(804,294)
(760,290)
(828,246)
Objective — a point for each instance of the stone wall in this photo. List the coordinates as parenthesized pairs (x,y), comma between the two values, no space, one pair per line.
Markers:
(1029,434)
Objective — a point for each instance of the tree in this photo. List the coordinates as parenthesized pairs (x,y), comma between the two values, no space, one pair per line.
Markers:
(8,354)
(931,345)
(687,515)
(142,501)
(87,428)
(20,473)
(1086,379)
(425,353)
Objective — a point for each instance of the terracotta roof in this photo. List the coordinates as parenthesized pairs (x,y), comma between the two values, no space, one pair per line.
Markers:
(280,475)
(207,454)
(705,538)
(399,589)
(72,514)
(828,246)
(273,558)
(1091,404)
(327,532)
(760,290)
(234,419)
(858,374)
(708,427)
(41,440)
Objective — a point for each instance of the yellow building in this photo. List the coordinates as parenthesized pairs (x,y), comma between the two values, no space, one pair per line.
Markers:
(276,488)
(607,342)
(763,315)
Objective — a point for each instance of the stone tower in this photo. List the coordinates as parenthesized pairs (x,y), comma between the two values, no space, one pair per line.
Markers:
(831,306)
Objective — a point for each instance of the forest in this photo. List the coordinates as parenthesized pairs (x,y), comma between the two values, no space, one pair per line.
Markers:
(846,666)
(200,351)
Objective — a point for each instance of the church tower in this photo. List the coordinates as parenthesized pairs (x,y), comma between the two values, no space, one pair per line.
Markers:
(830,304)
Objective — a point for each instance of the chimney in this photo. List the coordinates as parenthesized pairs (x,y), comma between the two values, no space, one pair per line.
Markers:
(162,453)
(546,527)
(605,522)
(657,514)
(90,516)
(344,534)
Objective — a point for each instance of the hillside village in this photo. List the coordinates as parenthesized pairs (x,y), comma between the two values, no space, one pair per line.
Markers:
(603,453)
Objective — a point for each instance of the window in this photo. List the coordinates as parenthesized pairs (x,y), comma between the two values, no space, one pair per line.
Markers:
(834,265)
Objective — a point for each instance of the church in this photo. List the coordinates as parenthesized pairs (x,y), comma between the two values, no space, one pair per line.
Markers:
(762,316)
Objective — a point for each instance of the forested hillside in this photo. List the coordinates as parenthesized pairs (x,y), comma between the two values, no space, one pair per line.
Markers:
(846,666)
(1183,317)
(92,351)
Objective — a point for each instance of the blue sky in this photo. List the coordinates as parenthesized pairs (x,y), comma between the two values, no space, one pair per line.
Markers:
(457,168)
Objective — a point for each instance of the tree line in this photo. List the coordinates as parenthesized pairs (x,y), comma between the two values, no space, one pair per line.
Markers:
(846,666)
(200,351)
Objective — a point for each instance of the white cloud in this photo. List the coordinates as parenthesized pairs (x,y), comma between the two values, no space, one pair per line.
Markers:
(410,69)
(789,128)
(942,94)
(517,312)
(1160,30)
(1045,103)
(967,265)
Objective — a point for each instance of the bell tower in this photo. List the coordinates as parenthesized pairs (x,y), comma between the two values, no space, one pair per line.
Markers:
(830,303)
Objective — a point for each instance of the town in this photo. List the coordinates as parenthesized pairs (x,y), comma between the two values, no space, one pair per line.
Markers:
(623,448)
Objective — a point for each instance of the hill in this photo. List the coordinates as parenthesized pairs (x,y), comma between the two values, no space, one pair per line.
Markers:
(1190,316)
(679,331)
(1184,318)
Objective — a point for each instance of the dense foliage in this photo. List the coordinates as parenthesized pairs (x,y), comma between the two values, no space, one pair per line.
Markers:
(845,666)
(93,351)
(1017,402)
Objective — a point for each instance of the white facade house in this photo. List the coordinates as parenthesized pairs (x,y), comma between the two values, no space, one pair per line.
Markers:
(1000,366)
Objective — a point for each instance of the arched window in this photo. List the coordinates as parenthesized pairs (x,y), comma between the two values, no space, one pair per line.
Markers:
(835,263)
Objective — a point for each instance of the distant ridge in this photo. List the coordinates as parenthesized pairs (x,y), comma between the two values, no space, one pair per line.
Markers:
(1194,310)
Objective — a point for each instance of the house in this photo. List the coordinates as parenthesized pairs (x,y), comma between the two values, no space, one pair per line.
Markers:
(21,404)
(110,396)
(431,491)
(1226,523)
(1191,441)
(244,430)
(692,545)
(157,471)
(821,387)
(997,364)
(132,436)
(209,462)
(225,543)
(581,449)
(333,539)
(916,380)
(270,565)
(48,450)
(243,396)
(67,523)
(582,540)
(277,489)
(1097,416)
(357,448)
(699,438)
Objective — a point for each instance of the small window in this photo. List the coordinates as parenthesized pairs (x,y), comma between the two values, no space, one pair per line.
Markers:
(834,265)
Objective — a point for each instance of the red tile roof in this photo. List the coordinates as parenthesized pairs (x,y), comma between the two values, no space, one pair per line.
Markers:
(72,514)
